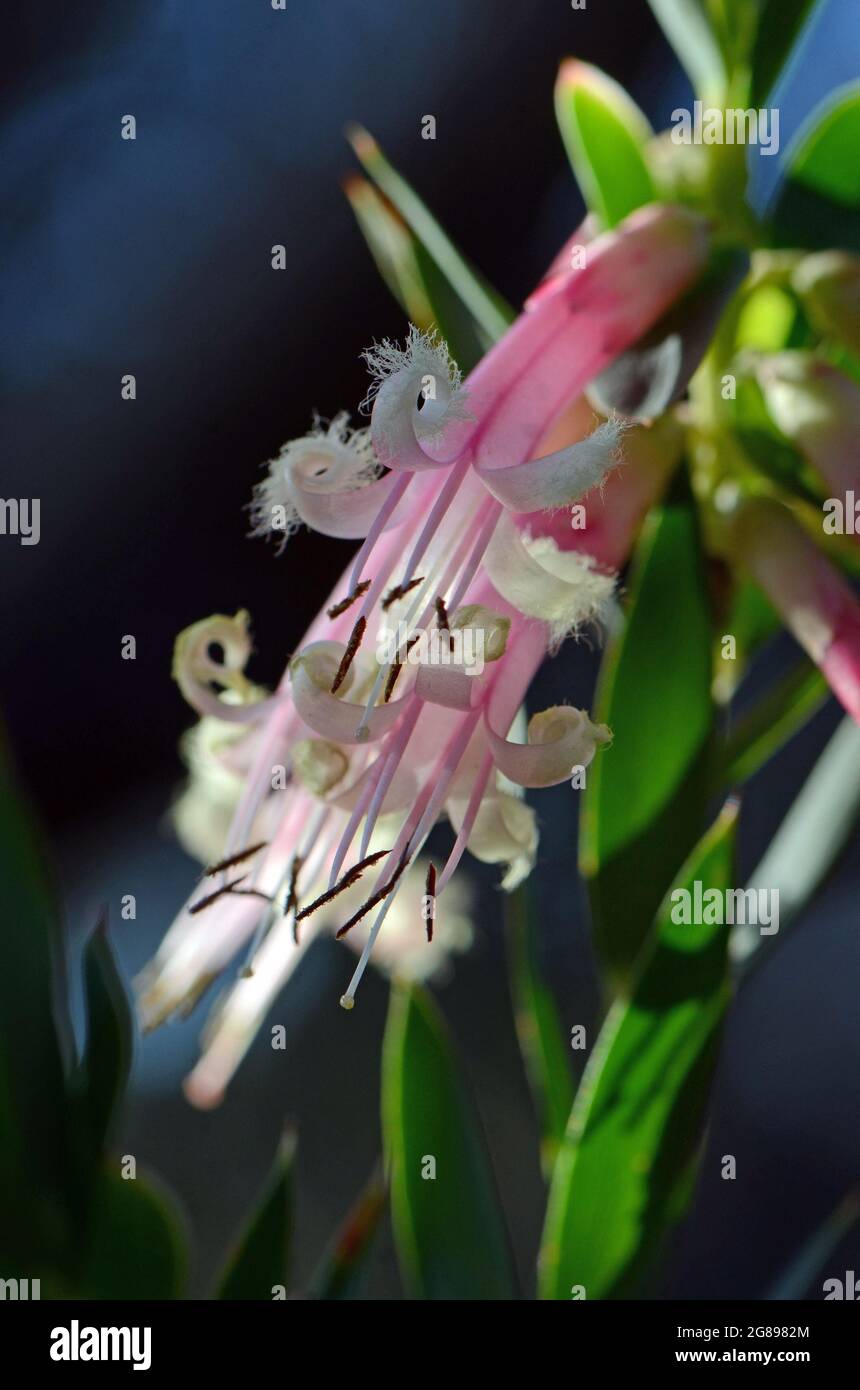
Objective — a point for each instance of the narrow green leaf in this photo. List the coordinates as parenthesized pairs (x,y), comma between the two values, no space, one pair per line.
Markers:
(107,1055)
(135,1245)
(771,723)
(448,1225)
(778,32)
(340,1270)
(488,309)
(36,1162)
(605,134)
(412,275)
(819,202)
(539,1029)
(686,26)
(645,800)
(808,1264)
(812,835)
(624,1170)
(258,1263)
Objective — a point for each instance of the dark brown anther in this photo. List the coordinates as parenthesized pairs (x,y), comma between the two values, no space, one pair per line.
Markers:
(352,647)
(400,591)
(442,620)
(234,859)
(359,590)
(251,893)
(430,892)
(375,898)
(219,893)
(345,881)
(396,668)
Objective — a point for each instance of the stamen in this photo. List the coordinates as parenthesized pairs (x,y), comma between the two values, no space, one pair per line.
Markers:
(395,670)
(442,620)
(219,893)
(430,892)
(400,591)
(386,510)
(234,859)
(352,647)
(375,898)
(349,878)
(389,763)
(251,893)
(338,608)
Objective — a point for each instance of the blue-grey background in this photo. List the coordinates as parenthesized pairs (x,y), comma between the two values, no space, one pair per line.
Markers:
(153,257)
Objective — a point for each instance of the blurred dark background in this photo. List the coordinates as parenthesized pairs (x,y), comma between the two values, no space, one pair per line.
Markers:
(152,257)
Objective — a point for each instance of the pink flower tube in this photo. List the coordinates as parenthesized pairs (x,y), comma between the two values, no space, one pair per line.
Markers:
(813,600)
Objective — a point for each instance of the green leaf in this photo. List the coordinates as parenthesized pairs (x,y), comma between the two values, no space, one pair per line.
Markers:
(412,275)
(624,1170)
(685,24)
(605,134)
(541,1037)
(766,446)
(258,1262)
(106,1061)
(819,203)
(35,1045)
(135,1245)
(645,800)
(778,31)
(808,1263)
(771,723)
(812,835)
(487,308)
(340,1270)
(448,1228)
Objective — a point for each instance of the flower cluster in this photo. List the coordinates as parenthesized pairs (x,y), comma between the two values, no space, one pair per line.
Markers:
(460,494)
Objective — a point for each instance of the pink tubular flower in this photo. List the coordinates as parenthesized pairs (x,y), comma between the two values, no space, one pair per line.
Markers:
(398,706)
(813,600)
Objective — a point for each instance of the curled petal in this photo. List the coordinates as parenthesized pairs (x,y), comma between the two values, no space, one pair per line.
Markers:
(484,634)
(563,588)
(329,480)
(418,403)
(319,764)
(312,674)
(503,832)
(196,670)
(559,739)
(557,479)
(454,686)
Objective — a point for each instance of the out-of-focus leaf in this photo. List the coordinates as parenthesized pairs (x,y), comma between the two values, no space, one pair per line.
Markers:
(642,382)
(258,1262)
(135,1243)
(623,1172)
(107,1055)
(778,32)
(487,308)
(539,1029)
(686,25)
(35,1045)
(771,723)
(819,201)
(766,446)
(808,1263)
(813,833)
(448,1225)
(605,134)
(412,276)
(341,1268)
(645,800)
